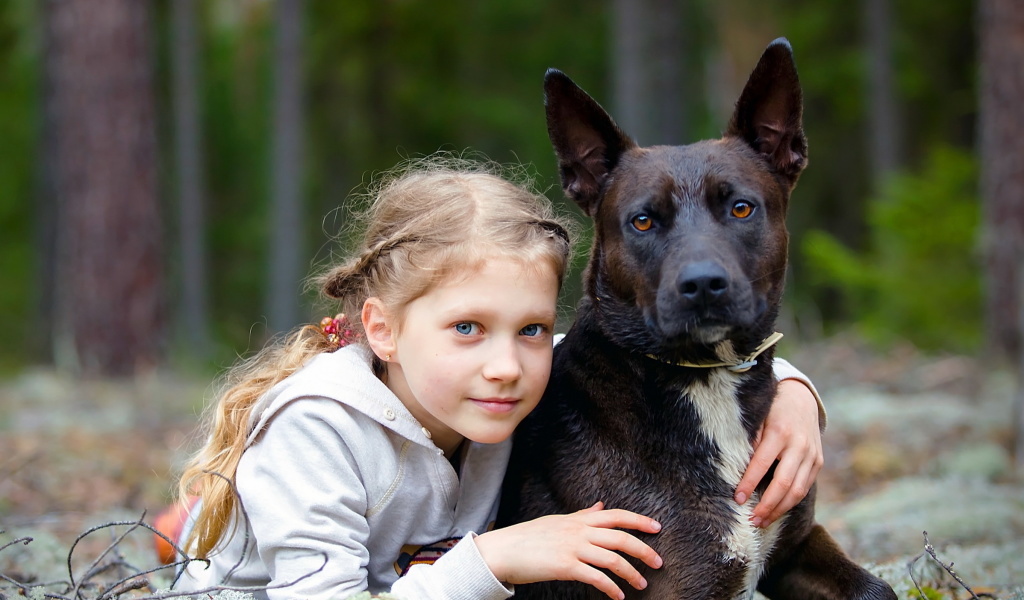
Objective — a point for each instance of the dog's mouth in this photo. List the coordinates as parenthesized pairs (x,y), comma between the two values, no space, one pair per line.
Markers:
(711,334)
(706,327)
(691,332)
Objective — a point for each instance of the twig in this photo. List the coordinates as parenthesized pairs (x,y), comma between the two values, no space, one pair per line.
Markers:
(910,568)
(222,588)
(90,572)
(121,587)
(137,580)
(949,568)
(23,540)
(245,520)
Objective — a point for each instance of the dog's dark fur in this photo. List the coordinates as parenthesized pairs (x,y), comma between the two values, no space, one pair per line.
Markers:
(678,272)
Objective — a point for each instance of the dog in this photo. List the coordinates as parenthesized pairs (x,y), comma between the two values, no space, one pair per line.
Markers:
(661,384)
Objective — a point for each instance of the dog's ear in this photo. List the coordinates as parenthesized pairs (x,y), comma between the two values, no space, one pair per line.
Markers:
(587,141)
(769,113)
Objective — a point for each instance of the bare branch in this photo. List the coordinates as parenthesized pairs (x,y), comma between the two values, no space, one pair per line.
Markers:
(23,540)
(948,568)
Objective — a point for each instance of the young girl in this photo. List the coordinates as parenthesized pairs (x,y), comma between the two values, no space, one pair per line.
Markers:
(369,454)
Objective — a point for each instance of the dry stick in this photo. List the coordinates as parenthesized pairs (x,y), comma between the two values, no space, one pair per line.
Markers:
(118,588)
(949,568)
(91,571)
(910,568)
(22,540)
(245,519)
(25,588)
(930,550)
(115,589)
(224,588)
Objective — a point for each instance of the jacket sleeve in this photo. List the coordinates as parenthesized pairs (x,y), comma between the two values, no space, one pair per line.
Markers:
(305,500)
(784,370)
(461,574)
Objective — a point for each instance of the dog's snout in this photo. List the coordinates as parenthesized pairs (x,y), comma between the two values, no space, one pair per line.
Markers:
(703,282)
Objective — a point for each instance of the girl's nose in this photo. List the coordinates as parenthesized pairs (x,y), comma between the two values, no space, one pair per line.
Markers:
(503,362)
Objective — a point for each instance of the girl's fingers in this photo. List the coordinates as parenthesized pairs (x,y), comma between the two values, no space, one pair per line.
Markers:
(790,483)
(591,576)
(606,559)
(762,460)
(621,541)
(619,518)
(802,483)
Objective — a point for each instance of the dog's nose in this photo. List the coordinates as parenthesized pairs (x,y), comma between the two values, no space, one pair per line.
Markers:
(703,282)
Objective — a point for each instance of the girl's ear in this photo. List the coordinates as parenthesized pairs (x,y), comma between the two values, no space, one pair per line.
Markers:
(379,329)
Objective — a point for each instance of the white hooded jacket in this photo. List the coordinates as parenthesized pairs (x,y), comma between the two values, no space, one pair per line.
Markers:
(337,470)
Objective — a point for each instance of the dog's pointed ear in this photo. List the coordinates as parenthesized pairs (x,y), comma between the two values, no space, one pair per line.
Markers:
(769,113)
(586,140)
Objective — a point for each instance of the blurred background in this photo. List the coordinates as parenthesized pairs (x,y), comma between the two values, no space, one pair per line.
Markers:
(172,170)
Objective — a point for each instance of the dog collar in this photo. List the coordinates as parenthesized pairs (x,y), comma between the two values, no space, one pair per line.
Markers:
(742,366)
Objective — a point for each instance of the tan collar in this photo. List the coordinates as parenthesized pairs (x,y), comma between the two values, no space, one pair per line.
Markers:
(740,366)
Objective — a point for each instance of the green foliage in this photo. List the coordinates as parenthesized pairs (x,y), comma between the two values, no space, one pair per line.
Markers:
(17,150)
(919,278)
(930,593)
(236,125)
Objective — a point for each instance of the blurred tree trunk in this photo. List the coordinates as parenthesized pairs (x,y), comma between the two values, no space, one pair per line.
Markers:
(188,150)
(286,189)
(649,70)
(101,127)
(1002,167)
(1002,185)
(884,131)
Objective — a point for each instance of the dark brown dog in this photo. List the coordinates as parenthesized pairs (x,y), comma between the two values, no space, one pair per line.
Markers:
(687,269)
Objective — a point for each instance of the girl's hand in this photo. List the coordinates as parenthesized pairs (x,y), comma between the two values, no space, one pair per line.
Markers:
(792,436)
(571,548)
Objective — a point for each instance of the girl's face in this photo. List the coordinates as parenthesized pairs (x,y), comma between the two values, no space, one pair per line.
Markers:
(473,356)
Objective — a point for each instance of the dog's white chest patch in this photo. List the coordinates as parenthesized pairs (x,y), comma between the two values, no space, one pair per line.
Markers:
(720,420)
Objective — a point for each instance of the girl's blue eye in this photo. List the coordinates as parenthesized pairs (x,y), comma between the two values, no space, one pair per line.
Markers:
(532,330)
(466,328)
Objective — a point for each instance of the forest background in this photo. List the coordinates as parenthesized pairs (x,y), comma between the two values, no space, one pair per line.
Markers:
(172,170)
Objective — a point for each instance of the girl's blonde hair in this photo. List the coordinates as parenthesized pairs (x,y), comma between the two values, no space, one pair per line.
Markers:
(427,220)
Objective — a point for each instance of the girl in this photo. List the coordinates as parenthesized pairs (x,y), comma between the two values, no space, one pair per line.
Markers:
(377,465)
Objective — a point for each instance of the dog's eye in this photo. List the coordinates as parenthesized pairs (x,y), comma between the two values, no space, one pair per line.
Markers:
(642,222)
(742,209)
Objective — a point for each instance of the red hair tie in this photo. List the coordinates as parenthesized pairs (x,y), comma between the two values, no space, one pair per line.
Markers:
(338,331)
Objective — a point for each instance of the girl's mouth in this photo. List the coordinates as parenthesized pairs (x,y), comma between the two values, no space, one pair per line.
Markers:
(496,405)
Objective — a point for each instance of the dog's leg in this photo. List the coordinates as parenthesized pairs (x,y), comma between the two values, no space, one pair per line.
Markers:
(818,569)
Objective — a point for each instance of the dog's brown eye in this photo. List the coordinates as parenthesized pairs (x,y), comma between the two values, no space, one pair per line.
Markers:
(742,209)
(642,222)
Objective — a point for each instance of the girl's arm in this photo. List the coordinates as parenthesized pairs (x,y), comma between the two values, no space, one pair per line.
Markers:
(306,503)
(791,435)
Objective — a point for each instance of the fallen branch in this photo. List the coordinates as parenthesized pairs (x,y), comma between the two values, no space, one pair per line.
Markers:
(930,551)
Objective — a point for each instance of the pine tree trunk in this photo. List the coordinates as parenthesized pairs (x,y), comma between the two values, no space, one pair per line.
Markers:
(1002,187)
(286,189)
(883,132)
(188,150)
(1002,168)
(100,118)
(649,70)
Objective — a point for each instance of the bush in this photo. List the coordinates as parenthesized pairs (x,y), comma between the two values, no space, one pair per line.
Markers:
(920,277)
